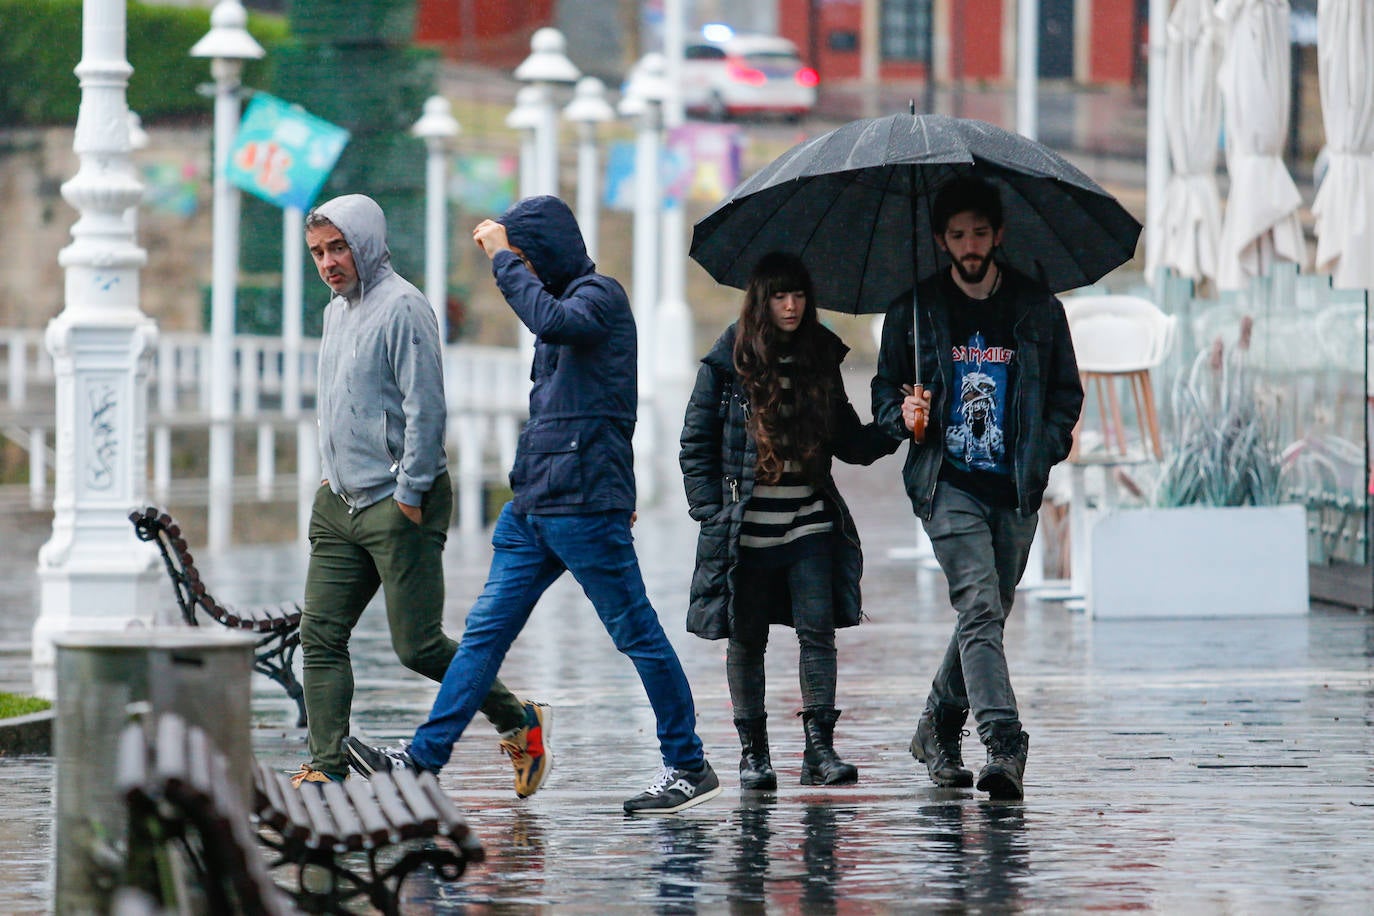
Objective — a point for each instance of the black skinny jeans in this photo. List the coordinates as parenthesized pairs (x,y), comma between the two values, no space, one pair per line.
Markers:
(807,585)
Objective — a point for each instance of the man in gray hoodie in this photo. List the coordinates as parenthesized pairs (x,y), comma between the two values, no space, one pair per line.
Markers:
(381,514)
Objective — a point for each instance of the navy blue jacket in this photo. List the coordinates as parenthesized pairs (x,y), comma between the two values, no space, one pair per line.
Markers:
(574,454)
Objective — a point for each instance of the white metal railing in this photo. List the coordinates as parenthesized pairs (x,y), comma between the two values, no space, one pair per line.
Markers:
(487,389)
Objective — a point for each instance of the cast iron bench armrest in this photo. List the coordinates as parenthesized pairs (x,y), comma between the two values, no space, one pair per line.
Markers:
(277,625)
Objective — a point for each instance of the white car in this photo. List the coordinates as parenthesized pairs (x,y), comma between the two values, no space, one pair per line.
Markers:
(747,75)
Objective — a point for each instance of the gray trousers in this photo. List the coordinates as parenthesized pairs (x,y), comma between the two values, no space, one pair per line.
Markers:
(982,550)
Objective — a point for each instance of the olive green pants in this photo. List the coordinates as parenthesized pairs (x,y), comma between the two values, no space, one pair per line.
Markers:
(352,554)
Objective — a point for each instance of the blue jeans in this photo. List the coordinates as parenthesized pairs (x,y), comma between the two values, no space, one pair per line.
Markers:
(531,552)
(982,550)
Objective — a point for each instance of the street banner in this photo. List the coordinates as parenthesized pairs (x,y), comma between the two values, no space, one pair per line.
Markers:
(283,153)
(698,162)
(484,183)
(701,162)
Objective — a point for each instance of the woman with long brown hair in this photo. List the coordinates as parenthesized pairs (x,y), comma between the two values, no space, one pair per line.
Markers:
(777,545)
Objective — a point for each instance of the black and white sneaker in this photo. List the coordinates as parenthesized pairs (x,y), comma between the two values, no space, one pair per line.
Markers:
(676,790)
(367,760)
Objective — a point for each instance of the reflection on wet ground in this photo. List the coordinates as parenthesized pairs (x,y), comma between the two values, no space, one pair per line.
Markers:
(1175,766)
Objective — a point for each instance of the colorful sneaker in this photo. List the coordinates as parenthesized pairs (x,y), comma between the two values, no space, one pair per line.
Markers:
(307,773)
(676,790)
(368,760)
(528,749)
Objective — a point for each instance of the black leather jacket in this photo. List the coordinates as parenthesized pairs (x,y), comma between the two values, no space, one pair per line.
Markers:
(1046,396)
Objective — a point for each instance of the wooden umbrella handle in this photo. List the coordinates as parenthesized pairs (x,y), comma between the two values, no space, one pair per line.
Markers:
(921,414)
(918,427)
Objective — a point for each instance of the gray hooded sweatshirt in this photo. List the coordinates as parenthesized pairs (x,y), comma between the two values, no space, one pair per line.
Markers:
(381,403)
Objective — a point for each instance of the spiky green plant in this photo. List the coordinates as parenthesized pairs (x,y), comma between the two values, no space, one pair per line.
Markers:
(1225,451)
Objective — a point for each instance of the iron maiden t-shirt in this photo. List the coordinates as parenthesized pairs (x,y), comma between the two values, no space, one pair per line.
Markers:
(978,440)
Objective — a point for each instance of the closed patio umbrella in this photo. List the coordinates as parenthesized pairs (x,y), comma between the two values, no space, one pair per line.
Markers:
(1261,224)
(1344,207)
(1191,231)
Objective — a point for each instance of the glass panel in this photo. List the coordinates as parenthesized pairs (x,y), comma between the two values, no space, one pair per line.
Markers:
(1309,348)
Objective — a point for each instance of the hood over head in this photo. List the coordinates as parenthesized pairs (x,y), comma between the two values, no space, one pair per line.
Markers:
(547,232)
(363,225)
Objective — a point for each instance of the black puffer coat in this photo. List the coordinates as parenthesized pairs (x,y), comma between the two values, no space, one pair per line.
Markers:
(718,458)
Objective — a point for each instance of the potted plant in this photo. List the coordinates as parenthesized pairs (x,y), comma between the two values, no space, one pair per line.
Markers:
(1216,541)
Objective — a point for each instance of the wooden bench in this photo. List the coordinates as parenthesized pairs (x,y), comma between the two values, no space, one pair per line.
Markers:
(277,625)
(190,838)
(365,836)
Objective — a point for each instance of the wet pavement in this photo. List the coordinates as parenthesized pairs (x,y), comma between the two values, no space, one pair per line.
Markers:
(1175,766)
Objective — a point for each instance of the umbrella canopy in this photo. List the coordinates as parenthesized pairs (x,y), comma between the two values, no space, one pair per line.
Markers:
(1344,207)
(1261,223)
(854,204)
(1191,231)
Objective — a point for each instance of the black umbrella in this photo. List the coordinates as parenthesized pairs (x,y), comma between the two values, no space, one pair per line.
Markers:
(854,204)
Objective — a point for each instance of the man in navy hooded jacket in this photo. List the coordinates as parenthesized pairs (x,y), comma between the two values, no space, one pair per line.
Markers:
(574,495)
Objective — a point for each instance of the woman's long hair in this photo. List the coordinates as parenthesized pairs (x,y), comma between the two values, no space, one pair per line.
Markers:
(803,436)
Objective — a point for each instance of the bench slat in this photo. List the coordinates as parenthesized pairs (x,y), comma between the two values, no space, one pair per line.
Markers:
(403,820)
(421,808)
(169,760)
(198,754)
(345,815)
(363,795)
(322,825)
(131,768)
(296,825)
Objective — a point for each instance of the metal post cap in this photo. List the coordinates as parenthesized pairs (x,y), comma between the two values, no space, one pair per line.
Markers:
(547,62)
(437,122)
(228,37)
(589,103)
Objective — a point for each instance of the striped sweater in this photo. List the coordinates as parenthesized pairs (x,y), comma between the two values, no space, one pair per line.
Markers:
(784,521)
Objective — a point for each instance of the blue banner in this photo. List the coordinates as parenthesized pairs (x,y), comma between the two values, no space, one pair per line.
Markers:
(283,153)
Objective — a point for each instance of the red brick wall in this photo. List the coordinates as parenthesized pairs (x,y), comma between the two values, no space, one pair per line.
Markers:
(500,30)
(975,40)
(1111,48)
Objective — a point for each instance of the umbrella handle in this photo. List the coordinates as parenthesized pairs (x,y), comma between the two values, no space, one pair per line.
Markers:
(918,426)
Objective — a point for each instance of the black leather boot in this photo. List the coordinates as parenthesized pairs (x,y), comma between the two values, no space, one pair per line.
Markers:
(936,744)
(821,766)
(1002,776)
(755,766)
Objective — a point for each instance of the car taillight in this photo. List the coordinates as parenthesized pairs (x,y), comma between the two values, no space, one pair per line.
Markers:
(807,77)
(741,72)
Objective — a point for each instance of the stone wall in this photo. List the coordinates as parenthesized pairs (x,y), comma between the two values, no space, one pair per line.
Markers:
(174,227)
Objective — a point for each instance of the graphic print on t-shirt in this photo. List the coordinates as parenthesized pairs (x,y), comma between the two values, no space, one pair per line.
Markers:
(975,439)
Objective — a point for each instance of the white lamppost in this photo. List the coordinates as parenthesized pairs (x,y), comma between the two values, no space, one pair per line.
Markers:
(138,139)
(588,109)
(227,45)
(1028,68)
(437,127)
(91,572)
(643,101)
(546,67)
(524,118)
(674,344)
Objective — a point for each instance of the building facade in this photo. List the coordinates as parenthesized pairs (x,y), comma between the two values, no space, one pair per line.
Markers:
(1091,42)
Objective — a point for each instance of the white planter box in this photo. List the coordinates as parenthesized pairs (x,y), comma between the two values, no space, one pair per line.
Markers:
(1198,561)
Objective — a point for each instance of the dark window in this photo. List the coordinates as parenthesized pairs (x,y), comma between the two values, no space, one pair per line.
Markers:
(906,30)
(843,41)
(702,52)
